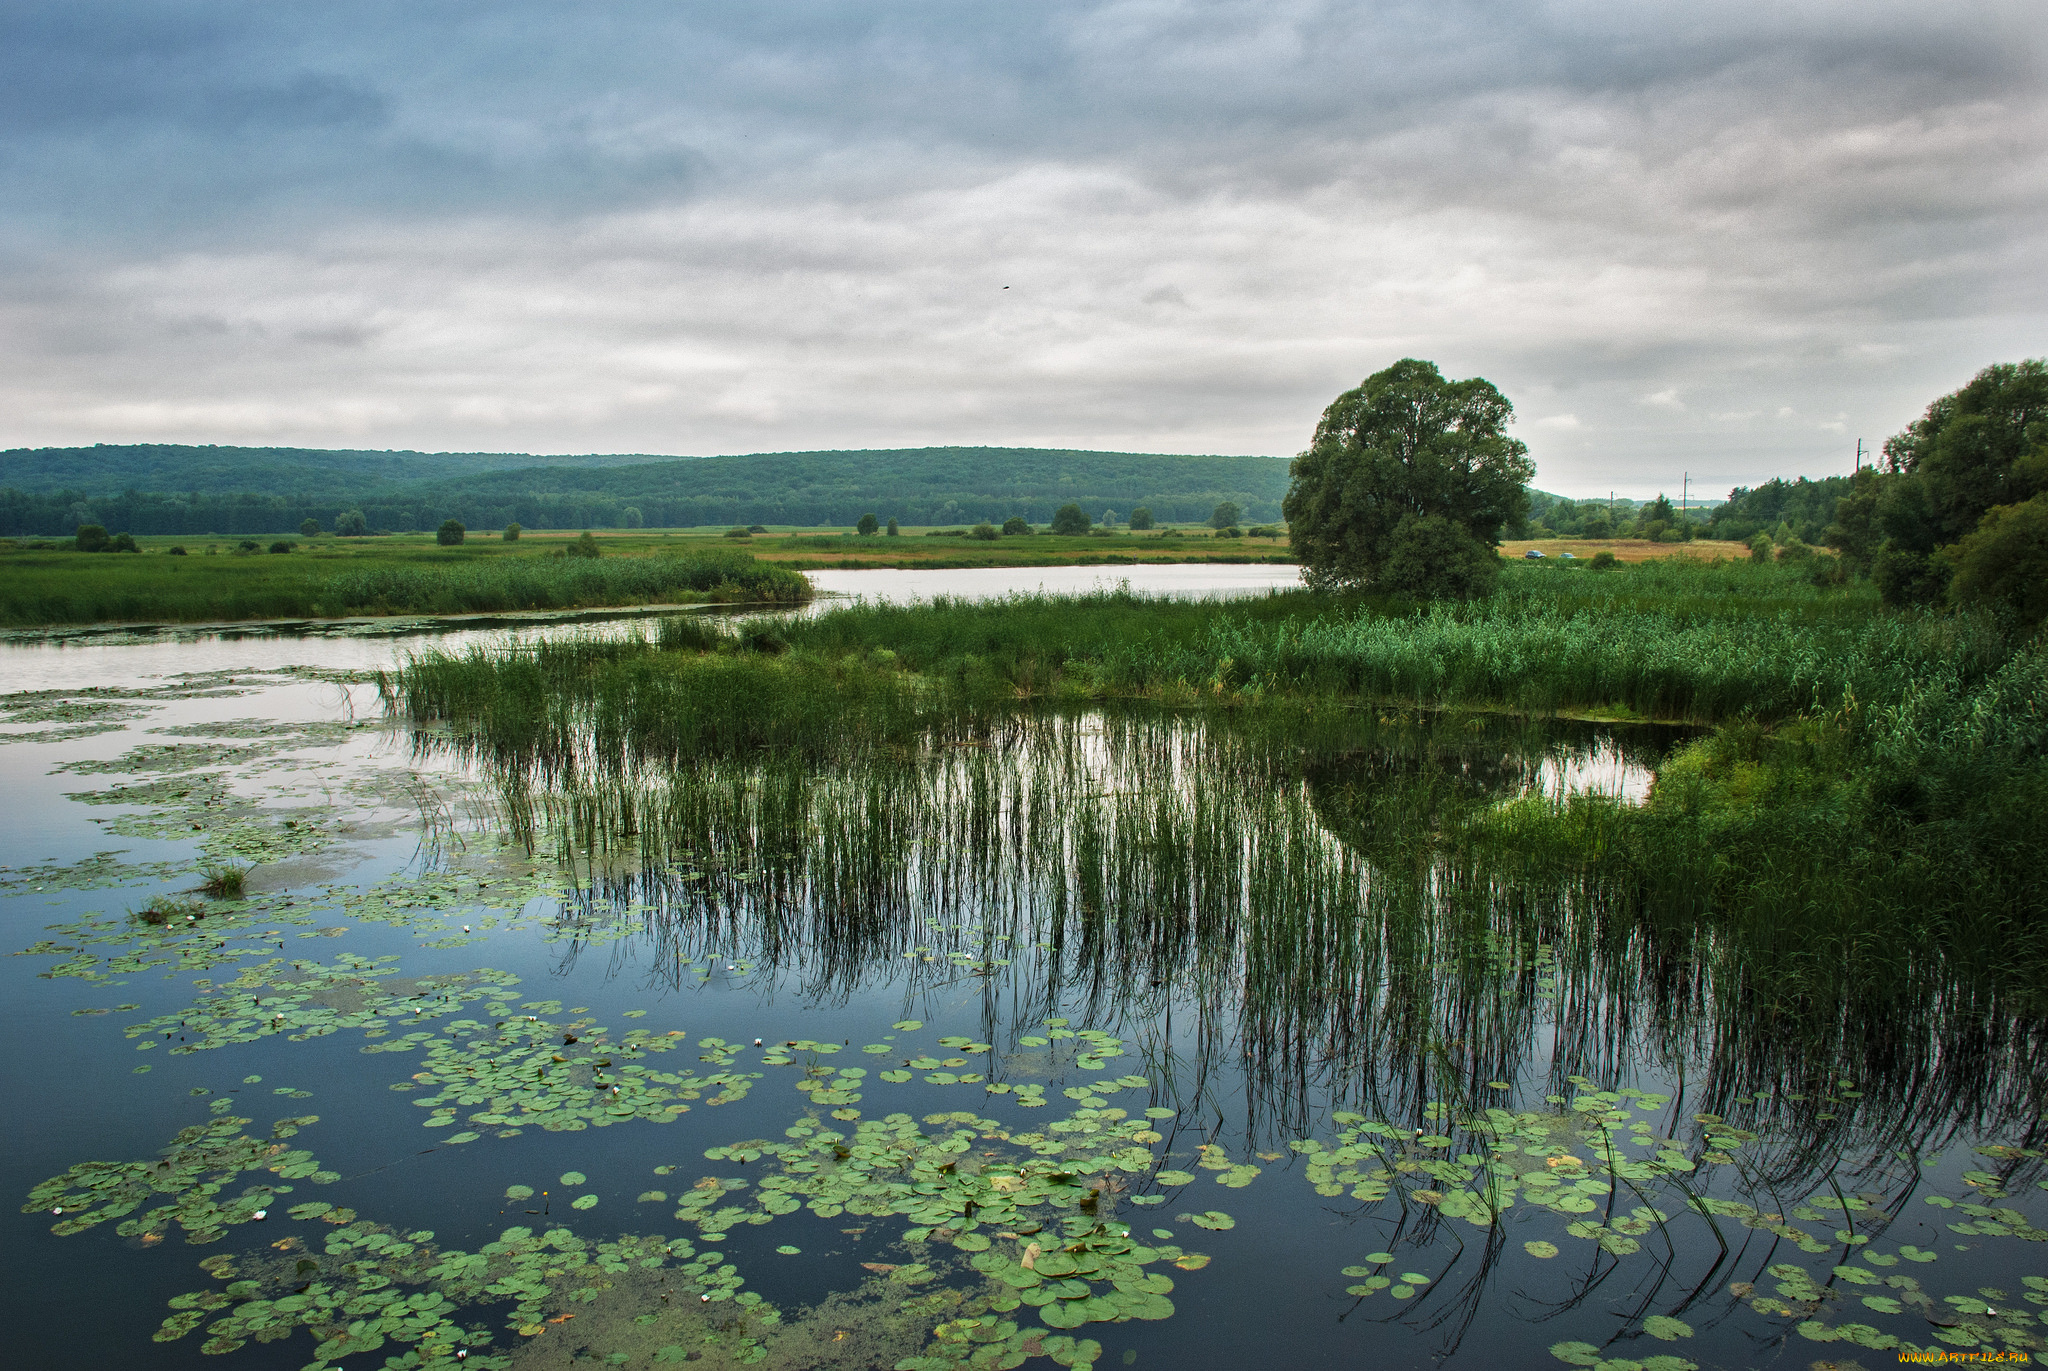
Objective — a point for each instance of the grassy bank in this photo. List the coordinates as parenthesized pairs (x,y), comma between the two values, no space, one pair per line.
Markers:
(334,578)
(1864,798)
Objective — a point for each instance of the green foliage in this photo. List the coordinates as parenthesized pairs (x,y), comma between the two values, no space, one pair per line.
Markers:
(584,547)
(2004,561)
(1141,519)
(1761,548)
(512,532)
(451,533)
(1225,515)
(1431,557)
(351,524)
(283,545)
(309,528)
(986,532)
(188,490)
(90,538)
(1016,525)
(1070,519)
(1979,447)
(893,531)
(1604,560)
(1405,443)
(867,526)
(1804,507)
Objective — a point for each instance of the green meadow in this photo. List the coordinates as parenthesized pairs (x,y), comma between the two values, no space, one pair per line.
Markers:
(219,580)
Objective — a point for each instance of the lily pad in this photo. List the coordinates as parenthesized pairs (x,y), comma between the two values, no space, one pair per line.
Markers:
(1540,1249)
(573,1178)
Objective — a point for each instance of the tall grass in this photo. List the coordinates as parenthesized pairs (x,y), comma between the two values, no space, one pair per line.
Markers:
(1868,795)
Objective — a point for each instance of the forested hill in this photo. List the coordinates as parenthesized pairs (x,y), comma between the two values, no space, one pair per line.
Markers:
(110,468)
(202,490)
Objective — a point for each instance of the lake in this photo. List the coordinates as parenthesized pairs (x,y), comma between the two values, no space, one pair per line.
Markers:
(1114,1037)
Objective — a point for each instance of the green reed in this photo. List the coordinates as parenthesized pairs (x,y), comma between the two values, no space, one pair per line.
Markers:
(1123,867)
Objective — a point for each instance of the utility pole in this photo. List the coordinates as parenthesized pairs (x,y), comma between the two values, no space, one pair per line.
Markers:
(1859,454)
(1684,496)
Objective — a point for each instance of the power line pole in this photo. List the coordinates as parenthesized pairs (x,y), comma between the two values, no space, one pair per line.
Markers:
(1684,496)
(1859,454)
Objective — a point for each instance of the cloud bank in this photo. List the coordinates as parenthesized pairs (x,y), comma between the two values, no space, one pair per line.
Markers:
(1723,240)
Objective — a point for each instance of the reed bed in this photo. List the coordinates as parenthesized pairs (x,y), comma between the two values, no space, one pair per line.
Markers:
(1858,803)
(1129,864)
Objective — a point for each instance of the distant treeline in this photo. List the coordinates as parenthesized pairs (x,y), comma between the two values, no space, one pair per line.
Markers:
(162,493)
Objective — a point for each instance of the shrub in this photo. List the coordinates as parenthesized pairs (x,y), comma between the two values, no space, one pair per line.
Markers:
(1794,551)
(309,528)
(245,547)
(174,550)
(1433,557)
(123,542)
(351,524)
(756,528)
(893,531)
(737,533)
(584,546)
(867,526)
(1604,560)
(1069,520)
(283,545)
(1226,515)
(450,533)
(1015,525)
(1761,548)
(2005,561)
(1905,577)
(986,532)
(91,538)
(512,532)
(1141,518)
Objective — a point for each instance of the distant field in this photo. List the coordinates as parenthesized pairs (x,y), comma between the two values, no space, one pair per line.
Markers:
(331,578)
(1628,549)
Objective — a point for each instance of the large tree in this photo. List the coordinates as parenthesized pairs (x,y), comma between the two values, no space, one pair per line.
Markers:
(1408,448)
(1976,449)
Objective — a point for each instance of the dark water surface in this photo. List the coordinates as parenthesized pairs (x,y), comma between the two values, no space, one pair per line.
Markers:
(1192,1011)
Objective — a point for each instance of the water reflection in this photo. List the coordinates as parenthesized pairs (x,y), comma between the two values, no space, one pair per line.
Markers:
(1272,916)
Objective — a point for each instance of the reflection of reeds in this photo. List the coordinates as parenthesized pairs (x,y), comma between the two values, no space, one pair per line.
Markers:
(1352,932)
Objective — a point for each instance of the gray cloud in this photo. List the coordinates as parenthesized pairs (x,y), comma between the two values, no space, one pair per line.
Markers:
(681,227)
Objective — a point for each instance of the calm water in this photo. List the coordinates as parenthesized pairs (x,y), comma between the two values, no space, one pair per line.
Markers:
(1180,1008)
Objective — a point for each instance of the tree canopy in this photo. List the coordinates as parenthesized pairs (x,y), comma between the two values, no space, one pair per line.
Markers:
(1972,460)
(1408,446)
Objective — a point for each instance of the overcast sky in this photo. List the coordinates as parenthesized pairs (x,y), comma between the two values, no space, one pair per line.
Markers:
(1727,238)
